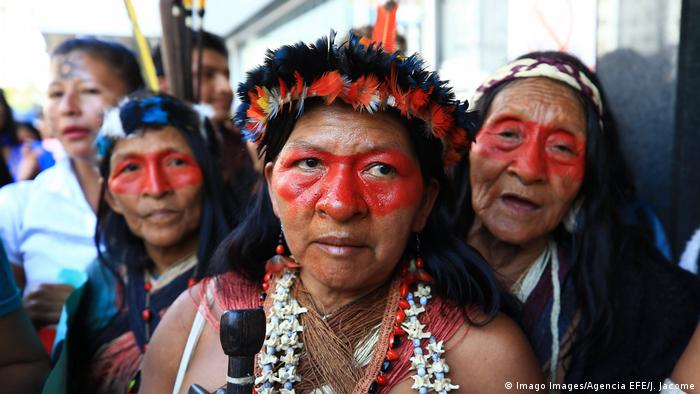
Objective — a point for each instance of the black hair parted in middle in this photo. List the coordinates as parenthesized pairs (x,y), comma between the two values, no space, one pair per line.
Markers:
(461,275)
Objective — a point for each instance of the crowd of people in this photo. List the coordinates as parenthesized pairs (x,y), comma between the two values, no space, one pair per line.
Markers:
(397,239)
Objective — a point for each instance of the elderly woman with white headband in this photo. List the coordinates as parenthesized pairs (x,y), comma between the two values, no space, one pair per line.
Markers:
(541,197)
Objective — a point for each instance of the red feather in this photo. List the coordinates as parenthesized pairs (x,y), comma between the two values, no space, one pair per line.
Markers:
(299,86)
(329,86)
(361,91)
(283,89)
(401,100)
(384,30)
(417,100)
(440,121)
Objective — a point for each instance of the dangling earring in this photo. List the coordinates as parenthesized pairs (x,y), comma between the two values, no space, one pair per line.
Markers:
(419,271)
(279,261)
(419,260)
(280,243)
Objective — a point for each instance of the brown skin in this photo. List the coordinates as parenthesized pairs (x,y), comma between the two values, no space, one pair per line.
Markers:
(509,239)
(482,362)
(44,304)
(216,85)
(687,371)
(81,87)
(338,280)
(29,164)
(167,238)
(479,360)
(24,364)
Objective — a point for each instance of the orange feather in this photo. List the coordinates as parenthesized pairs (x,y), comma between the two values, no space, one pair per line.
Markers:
(361,91)
(384,30)
(329,86)
(440,121)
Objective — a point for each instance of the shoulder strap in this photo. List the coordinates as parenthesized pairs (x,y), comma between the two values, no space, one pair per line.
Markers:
(192,340)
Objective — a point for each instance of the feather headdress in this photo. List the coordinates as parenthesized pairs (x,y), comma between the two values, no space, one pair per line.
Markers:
(358,73)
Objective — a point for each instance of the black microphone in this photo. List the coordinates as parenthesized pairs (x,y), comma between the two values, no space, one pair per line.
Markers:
(242,335)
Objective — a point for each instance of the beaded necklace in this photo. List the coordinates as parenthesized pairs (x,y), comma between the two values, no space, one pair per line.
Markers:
(279,358)
(141,287)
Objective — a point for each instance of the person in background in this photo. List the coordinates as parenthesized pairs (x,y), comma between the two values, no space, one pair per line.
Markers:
(161,216)
(5,176)
(8,127)
(541,199)
(214,90)
(48,224)
(32,157)
(23,362)
(20,145)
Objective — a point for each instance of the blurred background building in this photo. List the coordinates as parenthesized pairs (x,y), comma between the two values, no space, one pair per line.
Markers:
(640,48)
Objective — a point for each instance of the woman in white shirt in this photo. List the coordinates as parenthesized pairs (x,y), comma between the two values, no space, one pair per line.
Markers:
(48,224)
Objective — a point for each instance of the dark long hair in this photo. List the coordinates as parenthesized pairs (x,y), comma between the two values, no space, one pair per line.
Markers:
(217,216)
(460,274)
(598,243)
(8,126)
(5,176)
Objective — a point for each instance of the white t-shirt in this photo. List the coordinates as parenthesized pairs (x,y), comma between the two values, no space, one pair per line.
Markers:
(48,227)
(689,258)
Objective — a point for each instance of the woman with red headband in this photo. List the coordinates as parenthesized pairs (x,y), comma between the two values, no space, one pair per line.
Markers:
(363,289)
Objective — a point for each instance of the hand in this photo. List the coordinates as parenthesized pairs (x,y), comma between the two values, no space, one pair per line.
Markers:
(29,164)
(44,304)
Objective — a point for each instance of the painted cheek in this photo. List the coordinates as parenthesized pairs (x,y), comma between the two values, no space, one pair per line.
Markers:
(180,176)
(404,190)
(573,167)
(487,146)
(574,171)
(122,181)
(297,186)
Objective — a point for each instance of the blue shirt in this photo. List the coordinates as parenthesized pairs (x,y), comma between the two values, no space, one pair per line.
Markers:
(10,300)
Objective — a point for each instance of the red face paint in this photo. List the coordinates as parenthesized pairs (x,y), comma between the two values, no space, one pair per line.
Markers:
(154,173)
(378,181)
(534,150)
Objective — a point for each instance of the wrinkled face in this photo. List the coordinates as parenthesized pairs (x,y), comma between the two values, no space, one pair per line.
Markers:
(348,190)
(528,162)
(216,86)
(156,184)
(81,88)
